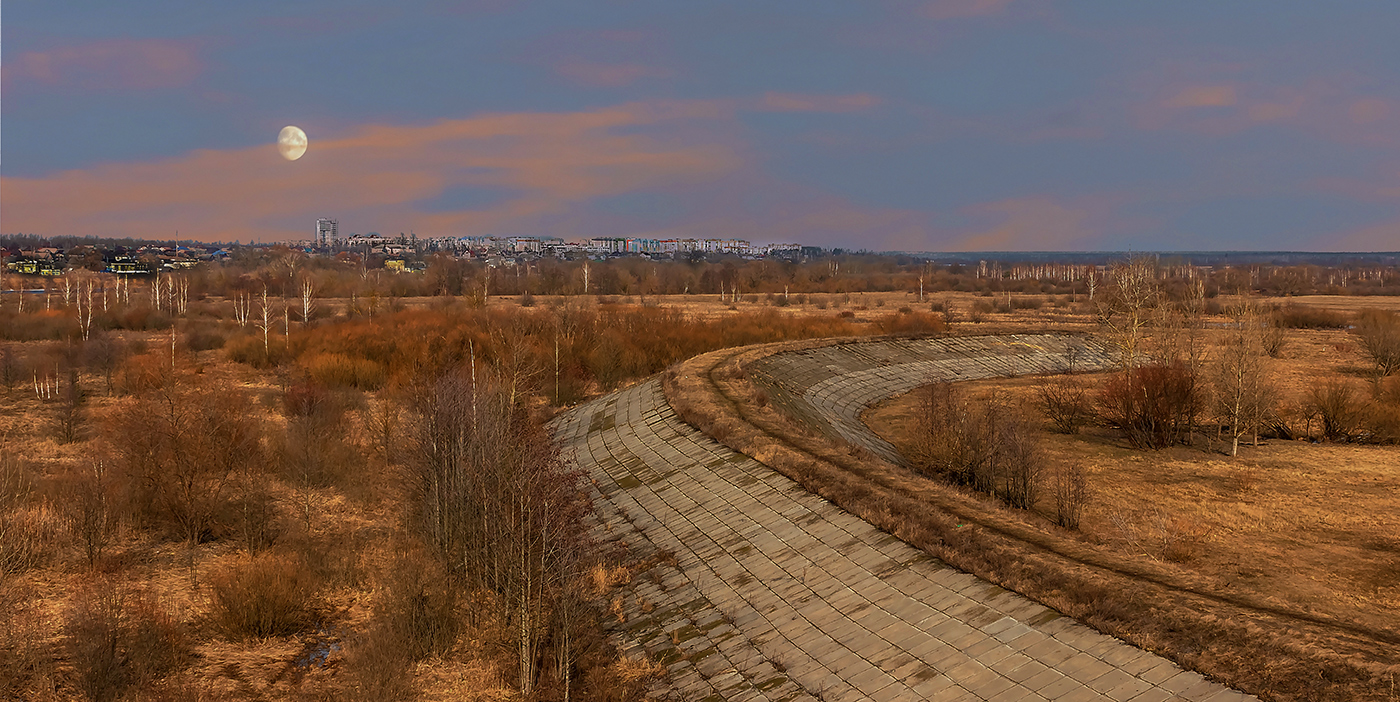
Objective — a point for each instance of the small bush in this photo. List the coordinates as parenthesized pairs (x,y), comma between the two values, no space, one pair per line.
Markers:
(119,640)
(263,596)
(1275,338)
(27,659)
(1155,406)
(982,443)
(28,530)
(90,510)
(11,367)
(1065,401)
(416,618)
(911,323)
(1301,317)
(338,370)
(1379,332)
(249,349)
(1339,408)
(205,339)
(1071,494)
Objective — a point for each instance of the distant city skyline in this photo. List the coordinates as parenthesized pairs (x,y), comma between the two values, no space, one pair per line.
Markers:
(946,125)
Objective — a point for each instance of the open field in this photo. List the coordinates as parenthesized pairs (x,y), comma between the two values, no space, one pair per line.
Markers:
(343,529)
(1312,527)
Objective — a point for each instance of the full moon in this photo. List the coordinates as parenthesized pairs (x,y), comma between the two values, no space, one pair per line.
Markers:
(291,142)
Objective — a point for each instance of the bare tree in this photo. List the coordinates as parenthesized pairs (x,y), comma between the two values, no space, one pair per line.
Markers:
(495,501)
(104,352)
(983,443)
(242,305)
(1066,403)
(308,299)
(181,448)
(70,408)
(91,516)
(1128,306)
(1241,390)
(266,323)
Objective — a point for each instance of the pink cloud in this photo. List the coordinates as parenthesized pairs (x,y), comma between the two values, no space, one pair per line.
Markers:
(115,64)
(1323,107)
(1383,236)
(603,75)
(1035,223)
(795,102)
(549,164)
(1202,96)
(953,9)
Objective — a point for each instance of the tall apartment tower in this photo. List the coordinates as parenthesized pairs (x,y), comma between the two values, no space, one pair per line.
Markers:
(325,231)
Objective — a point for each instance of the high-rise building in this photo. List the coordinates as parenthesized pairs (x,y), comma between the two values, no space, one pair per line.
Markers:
(325,231)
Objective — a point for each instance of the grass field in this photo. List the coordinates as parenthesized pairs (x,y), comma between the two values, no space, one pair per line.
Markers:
(1312,527)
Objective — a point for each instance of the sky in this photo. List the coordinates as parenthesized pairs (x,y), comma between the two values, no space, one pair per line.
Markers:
(945,125)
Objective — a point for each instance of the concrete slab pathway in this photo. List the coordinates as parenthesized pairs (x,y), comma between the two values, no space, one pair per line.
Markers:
(772,593)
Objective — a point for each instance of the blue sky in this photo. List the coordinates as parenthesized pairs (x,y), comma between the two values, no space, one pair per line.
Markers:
(942,125)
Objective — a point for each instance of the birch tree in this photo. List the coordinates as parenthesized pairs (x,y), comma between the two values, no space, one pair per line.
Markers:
(1241,389)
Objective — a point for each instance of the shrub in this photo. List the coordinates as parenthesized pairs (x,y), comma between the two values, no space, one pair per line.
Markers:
(1065,402)
(205,339)
(11,367)
(119,640)
(28,531)
(1071,494)
(1338,406)
(983,443)
(1275,337)
(1379,332)
(250,349)
(27,657)
(1154,406)
(416,618)
(1301,317)
(90,510)
(911,322)
(339,370)
(180,450)
(38,325)
(263,596)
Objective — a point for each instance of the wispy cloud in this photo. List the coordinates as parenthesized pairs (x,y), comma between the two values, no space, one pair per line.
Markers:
(1325,108)
(608,75)
(1202,96)
(797,102)
(548,163)
(954,9)
(109,65)
(1035,223)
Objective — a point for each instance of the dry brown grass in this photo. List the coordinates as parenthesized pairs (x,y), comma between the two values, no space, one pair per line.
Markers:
(332,572)
(1245,638)
(1311,526)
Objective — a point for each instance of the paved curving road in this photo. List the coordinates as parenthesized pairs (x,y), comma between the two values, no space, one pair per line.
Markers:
(776,594)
